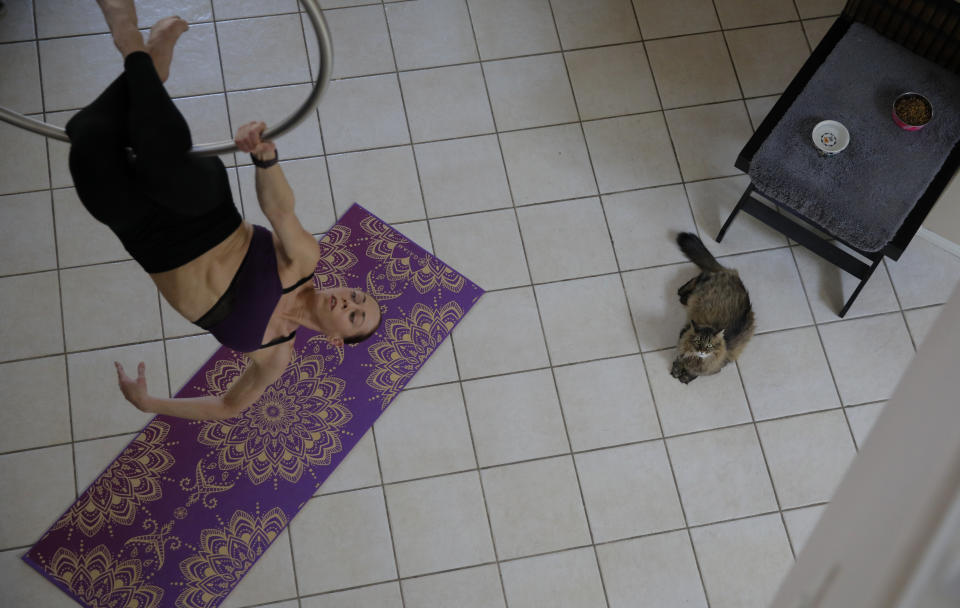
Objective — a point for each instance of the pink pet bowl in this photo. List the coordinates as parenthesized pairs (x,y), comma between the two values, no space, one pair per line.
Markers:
(911,111)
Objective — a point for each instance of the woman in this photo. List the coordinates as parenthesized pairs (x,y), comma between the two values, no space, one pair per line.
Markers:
(174,213)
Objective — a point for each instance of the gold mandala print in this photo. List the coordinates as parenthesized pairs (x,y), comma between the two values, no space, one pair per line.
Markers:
(401,266)
(154,543)
(132,480)
(384,239)
(225,554)
(434,274)
(406,345)
(102,581)
(294,426)
(335,258)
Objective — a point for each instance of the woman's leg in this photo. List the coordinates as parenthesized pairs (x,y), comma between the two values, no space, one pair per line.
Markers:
(104,121)
(121,18)
(99,163)
(157,132)
(113,187)
(160,136)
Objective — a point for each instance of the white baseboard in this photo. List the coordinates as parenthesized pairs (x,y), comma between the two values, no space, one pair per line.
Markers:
(945,244)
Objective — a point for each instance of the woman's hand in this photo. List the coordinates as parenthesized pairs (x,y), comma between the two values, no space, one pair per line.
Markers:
(135,391)
(248,140)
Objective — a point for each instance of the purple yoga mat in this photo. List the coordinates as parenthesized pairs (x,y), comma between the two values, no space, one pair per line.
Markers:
(188,507)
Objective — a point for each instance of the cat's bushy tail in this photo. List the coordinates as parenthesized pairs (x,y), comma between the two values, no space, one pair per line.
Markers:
(696,251)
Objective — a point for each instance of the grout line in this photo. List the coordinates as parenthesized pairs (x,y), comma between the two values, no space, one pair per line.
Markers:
(806,36)
(476,459)
(823,348)
(743,385)
(56,250)
(676,483)
(497,290)
(601,448)
(293,564)
(541,554)
(491,563)
(679,261)
(374,3)
(653,398)
(506,174)
(316,116)
(406,116)
(723,35)
(766,461)
(383,489)
(553,372)
(736,72)
(505,373)
(226,103)
(272,603)
(247,165)
(903,314)
(228,91)
(386,507)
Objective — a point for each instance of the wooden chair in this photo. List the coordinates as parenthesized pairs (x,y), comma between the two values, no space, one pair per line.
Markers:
(929,28)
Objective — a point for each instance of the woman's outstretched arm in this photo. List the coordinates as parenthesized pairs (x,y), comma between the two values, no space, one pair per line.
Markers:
(263,368)
(276,200)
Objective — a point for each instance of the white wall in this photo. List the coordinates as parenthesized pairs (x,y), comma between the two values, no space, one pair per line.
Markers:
(944,219)
(900,488)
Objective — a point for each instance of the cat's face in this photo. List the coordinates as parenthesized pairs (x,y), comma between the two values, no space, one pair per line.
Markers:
(707,341)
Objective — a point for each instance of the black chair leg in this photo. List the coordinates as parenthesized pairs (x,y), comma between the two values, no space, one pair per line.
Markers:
(863,281)
(736,210)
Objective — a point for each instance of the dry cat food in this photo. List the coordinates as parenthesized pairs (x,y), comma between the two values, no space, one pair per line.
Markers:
(914,110)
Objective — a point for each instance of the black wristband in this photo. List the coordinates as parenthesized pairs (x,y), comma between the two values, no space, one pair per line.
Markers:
(265,164)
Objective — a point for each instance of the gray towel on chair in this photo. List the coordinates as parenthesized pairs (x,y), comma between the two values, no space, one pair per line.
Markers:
(863,194)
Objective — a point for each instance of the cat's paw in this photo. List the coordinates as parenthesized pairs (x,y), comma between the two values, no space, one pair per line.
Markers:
(677,369)
(679,372)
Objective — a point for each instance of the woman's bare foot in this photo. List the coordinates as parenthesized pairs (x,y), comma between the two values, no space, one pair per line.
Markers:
(163,37)
(121,17)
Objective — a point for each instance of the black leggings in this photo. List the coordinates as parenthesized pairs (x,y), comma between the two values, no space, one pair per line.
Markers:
(129,163)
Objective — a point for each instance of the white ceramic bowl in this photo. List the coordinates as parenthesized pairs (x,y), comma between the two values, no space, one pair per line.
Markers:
(830,137)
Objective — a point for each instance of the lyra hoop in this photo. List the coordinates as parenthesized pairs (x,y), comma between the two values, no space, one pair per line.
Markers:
(323,78)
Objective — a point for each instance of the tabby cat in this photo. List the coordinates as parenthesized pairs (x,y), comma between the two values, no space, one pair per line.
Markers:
(719,317)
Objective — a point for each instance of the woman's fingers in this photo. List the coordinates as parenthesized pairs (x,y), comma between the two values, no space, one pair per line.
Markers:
(122,375)
(248,136)
(256,132)
(255,128)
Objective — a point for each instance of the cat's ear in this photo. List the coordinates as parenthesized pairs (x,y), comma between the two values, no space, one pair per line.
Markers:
(719,334)
(693,325)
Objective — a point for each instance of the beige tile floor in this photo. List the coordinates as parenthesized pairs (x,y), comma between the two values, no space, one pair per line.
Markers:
(548,149)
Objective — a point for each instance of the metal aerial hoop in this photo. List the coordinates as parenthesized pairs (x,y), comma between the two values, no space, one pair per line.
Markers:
(312,8)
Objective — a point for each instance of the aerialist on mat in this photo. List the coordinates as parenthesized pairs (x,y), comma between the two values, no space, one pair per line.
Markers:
(174,213)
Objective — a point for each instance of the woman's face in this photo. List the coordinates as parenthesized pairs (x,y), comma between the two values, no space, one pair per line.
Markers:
(348,312)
